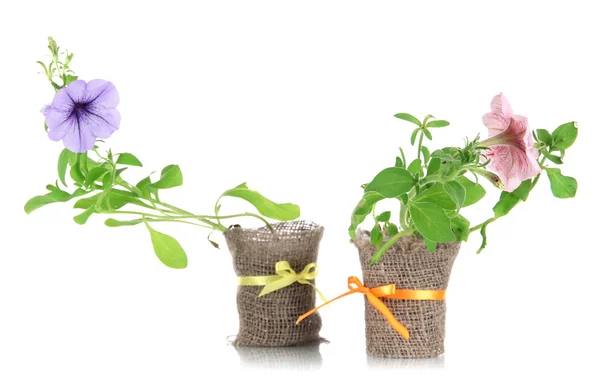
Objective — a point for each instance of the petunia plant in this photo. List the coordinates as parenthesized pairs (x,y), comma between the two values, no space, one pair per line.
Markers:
(81,115)
(435,187)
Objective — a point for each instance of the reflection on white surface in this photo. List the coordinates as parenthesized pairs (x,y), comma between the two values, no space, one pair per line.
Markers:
(305,357)
(412,363)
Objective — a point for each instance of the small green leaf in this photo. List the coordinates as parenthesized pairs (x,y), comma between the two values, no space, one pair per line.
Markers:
(415,167)
(426,154)
(391,229)
(94,175)
(437,123)
(118,199)
(384,216)
(413,136)
(505,204)
(437,195)
(362,210)
(111,222)
(268,208)
(391,182)
(144,186)
(460,227)
(522,192)
(404,198)
(456,191)
(434,166)
(408,118)
(427,134)
(474,191)
(564,136)
(551,157)
(63,162)
(399,162)
(170,177)
(167,249)
(562,186)
(376,236)
(69,79)
(484,235)
(431,221)
(431,245)
(76,174)
(544,136)
(84,216)
(442,155)
(129,159)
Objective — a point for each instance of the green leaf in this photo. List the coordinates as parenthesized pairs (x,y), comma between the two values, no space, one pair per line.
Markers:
(437,195)
(167,249)
(169,177)
(408,118)
(431,221)
(484,235)
(76,174)
(43,200)
(474,191)
(129,159)
(82,160)
(391,229)
(442,155)
(69,79)
(268,208)
(111,222)
(564,136)
(551,157)
(461,227)
(144,186)
(544,136)
(94,175)
(427,134)
(118,199)
(404,198)
(437,123)
(84,216)
(413,136)
(522,192)
(426,154)
(434,166)
(505,204)
(399,162)
(63,162)
(415,167)
(384,216)
(431,245)
(376,236)
(562,186)
(362,210)
(457,192)
(391,182)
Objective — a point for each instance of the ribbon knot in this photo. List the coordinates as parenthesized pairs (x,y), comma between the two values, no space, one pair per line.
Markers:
(388,292)
(285,276)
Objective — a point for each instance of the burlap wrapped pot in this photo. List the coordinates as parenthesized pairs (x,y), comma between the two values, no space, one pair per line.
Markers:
(408,265)
(270,320)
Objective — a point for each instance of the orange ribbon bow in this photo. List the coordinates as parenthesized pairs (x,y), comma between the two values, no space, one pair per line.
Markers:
(388,292)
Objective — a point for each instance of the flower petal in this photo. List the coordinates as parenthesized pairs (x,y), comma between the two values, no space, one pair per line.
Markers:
(501,106)
(99,121)
(495,123)
(101,93)
(512,165)
(79,141)
(59,122)
(76,90)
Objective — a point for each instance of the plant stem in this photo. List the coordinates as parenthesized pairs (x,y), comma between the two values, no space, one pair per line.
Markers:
(388,244)
(420,145)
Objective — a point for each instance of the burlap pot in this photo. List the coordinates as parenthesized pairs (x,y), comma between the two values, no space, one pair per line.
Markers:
(408,265)
(270,320)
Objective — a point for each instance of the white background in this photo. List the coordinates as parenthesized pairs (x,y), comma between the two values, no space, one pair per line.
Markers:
(297,99)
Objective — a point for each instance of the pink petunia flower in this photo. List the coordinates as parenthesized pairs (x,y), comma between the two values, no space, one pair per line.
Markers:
(511,146)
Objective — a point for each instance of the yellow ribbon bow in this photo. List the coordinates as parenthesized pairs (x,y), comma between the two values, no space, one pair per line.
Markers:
(389,292)
(286,276)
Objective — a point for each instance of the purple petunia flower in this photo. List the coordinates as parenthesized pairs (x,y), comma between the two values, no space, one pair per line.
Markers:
(82,112)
